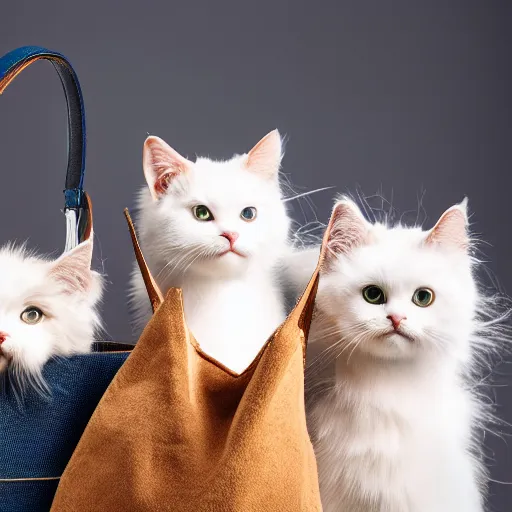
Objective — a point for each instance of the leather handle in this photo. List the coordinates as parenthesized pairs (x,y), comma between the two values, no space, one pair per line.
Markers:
(11,65)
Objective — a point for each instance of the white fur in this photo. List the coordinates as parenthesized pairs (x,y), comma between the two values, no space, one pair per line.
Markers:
(392,419)
(232,303)
(65,290)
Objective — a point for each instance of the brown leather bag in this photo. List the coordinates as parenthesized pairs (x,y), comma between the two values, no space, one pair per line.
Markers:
(177,431)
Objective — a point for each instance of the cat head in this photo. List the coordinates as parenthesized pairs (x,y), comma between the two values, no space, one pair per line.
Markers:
(213,218)
(399,292)
(47,309)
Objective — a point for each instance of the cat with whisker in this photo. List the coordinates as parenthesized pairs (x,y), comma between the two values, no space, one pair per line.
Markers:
(217,230)
(400,334)
(47,310)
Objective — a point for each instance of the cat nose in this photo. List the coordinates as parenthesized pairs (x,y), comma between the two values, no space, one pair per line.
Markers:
(231,236)
(396,319)
(3,337)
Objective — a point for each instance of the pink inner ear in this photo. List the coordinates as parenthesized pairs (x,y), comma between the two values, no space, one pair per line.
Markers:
(347,230)
(265,156)
(163,159)
(450,231)
(163,182)
(73,280)
(73,269)
(161,164)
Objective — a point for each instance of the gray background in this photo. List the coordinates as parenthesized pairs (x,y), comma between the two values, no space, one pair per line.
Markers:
(398,96)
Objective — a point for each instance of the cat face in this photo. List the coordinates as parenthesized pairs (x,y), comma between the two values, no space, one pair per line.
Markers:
(46,309)
(401,292)
(213,218)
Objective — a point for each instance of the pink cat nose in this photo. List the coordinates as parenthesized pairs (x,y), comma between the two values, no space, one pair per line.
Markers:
(3,337)
(231,236)
(396,319)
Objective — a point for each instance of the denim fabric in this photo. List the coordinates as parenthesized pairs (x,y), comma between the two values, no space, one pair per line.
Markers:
(27,496)
(38,436)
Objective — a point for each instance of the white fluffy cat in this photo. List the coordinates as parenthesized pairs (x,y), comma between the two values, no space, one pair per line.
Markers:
(397,332)
(215,229)
(47,309)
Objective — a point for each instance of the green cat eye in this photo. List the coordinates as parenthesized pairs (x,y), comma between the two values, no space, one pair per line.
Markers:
(374,295)
(423,297)
(248,213)
(201,212)
(32,315)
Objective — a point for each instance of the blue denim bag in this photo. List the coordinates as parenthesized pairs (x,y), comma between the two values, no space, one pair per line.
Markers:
(38,435)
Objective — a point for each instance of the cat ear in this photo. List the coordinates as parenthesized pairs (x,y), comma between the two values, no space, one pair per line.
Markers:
(265,157)
(347,230)
(451,229)
(161,163)
(73,269)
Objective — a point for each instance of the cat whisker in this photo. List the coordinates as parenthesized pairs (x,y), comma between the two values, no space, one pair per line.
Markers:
(353,343)
(320,335)
(317,362)
(304,194)
(176,261)
(179,263)
(197,256)
(355,347)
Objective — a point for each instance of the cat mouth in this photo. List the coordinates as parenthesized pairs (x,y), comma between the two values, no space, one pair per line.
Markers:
(398,332)
(234,251)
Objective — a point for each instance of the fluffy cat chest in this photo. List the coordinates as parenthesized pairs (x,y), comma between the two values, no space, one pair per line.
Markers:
(232,325)
(391,421)
(389,456)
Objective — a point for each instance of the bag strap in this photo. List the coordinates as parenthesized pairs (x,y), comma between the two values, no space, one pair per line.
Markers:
(14,63)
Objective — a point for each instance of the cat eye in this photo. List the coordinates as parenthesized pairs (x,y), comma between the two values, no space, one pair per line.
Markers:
(374,295)
(201,212)
(423,297)
(32,315)
(248,213)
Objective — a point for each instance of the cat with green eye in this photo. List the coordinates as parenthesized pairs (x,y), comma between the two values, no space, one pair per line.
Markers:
(391,377)
(373,294)
(203,213)
(218,230)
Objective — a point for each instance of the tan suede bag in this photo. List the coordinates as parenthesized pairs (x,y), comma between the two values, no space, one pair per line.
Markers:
(177,431)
